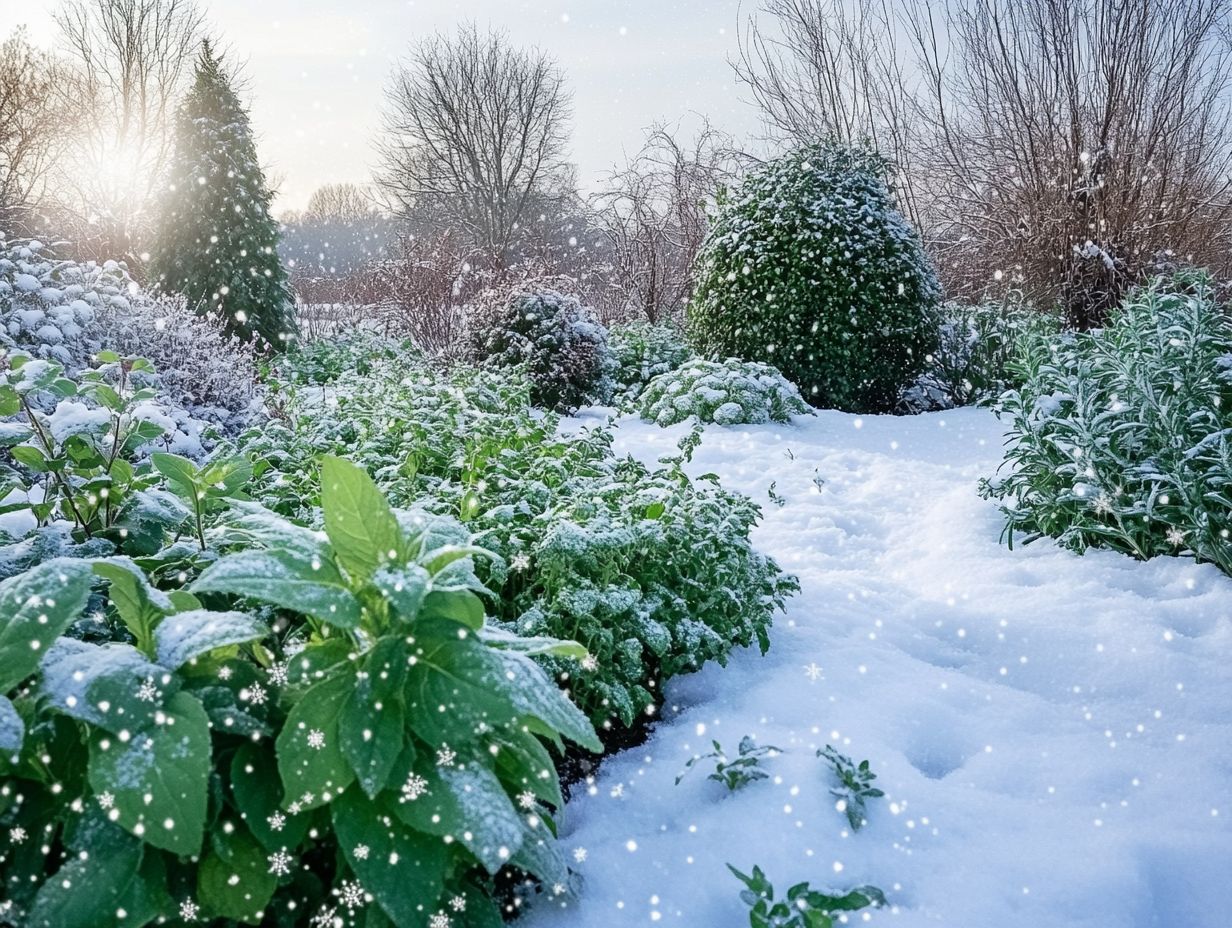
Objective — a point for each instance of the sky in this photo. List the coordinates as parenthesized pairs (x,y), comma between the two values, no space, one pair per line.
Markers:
(316,71)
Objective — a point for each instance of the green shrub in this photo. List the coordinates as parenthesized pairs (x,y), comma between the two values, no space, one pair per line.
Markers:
(973,362)
(1122,437)
(801,906)
(651,571)
(364,730)
(558,343)
(643,351)
(809,267)
(730,392)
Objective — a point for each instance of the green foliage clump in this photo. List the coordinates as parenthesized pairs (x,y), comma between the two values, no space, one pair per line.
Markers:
(643,351)
(855,785)
(802,906)
(217,243)
(1121,437)
(809,267)
(738,773)
(729,392)
(974,362)
(313,720)
(325,361)
(650,570)
(556,341)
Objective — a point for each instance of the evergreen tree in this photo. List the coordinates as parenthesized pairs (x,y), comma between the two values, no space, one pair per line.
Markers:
(216,242)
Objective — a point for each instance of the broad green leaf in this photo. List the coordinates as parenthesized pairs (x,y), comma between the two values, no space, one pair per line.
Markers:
(310,757)
(139,604)
(404,587)
(403,869)
(147,517)
(180,472)
(524,764)
(361,526)
(31,457)
(112,686)
(469,803)
(159,776)
(373,722)
(251,521)
(12,728)
(499,637)
(185,636)
(533,693)
(85,893)
(540,854)
(234,879)
(461,606)
(35,608)
(257,791)
(312,588)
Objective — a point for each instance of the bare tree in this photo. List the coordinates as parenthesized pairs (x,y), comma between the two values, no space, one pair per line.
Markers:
(652,214)
(475,134)
(35,116)
(341,203)
(1053,146)
(130,59)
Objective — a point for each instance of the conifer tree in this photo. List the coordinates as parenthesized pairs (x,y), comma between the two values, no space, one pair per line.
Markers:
(216,241)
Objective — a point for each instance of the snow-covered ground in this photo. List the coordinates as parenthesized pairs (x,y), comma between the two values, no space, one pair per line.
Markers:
(1054,732)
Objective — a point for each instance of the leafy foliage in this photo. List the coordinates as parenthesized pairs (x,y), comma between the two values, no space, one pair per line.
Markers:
(731,392)
(364,720)
(559,343)
(802,906)
(855,785)
(1122,437)
(217,243)
(738,773)
(643,351)
(653,572)
(809,267)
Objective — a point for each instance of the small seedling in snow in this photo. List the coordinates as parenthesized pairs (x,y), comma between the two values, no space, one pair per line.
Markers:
(775,497)
(742,771)
(803,907)
(855,785)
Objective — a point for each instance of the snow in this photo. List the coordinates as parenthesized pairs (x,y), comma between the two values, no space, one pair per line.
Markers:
(1052,731)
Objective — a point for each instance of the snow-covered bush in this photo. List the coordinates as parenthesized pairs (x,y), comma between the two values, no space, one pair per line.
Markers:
(557,341)
(652,571)
(1122,437)
(810,267)
(67,311)
(642,351)
(727,392)
(973,362)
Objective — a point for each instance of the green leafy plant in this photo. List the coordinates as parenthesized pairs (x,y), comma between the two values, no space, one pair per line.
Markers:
(731,392)
(802,906)
(643,351)
(206,763)
(808,266)
(855,785)
(1121,437)
(737,773)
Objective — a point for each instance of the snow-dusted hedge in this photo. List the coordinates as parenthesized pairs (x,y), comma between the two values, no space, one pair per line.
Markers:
(553,337)
(643,351)
(1122,437)
(810,267)
(727,392)
(67,311)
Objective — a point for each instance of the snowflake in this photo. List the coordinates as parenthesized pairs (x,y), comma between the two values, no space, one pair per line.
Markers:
(324,918)
(439,920)
(446,755)
(17,835)
(316,739)
(558,889)
(618,791)
(519,562)
(224,673)
(812,671)
(1102,503)
(458,904)
(277,821)
(106,800)
(278,674)
(1176,537)
(280,863)
(254,694)
(526,800)
(589,662)
(414,787)
(188,910)
(147,692)
(351,894)
(361,852)
(294,808)
(579,854)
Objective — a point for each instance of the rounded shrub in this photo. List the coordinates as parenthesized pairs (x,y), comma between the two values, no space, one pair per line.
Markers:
(560,343)
(730,392)
(810,267)
(643,351)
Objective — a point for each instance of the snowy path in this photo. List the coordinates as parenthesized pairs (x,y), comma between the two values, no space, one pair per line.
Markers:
(1054,732)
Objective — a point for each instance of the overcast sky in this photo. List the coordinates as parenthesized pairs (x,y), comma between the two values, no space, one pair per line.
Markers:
(316,70)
